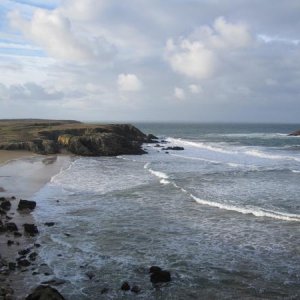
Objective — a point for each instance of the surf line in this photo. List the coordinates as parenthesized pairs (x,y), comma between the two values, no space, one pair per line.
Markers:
(255,211)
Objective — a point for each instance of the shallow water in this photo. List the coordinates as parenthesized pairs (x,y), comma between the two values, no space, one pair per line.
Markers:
(223,216)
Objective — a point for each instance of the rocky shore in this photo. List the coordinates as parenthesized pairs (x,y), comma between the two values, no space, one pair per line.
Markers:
(52,137)
(295,133)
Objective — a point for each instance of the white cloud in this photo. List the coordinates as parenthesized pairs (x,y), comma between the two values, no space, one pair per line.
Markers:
(129,82)
(197,55)
(179,93)
(195,89)
(53,32)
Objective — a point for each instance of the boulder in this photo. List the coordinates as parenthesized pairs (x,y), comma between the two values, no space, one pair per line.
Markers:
(26,204)
(31,229)
(49,224)
(45,293)
(6,205)
(158,275)
(11,226)
(24,263)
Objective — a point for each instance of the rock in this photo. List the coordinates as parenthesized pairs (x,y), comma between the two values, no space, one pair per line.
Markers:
(49,224)
(135,289)
(2,212)
(6,205)
(31,229)
(24,252)
(33,256)
(8,218)
(26,204)
(17,234)
(90,274)
(37,245)
(10,242)
(125,286)
(24,263)
(158,275)
(295,133)
(154,269)
(45,293)
(176,148)
(54,281)
(12,266)
(104,291)
(11,227)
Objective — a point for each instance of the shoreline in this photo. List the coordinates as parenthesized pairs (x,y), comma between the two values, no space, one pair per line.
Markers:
(22,175)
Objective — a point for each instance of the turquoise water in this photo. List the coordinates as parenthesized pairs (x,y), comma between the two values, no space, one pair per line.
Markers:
(223,216)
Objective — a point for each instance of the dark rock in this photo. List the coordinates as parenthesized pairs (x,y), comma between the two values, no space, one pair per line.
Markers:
(2,212)
(13,198)
(33,256)
(11,227)
(37,245)
(161,276)
(177,148)
(10,242)
(90,274)
(154,269)
(295,133)
(49,224)
(31,229)
(24,251)
(158,275)
(17,234)
(55,281)
(24,263)
(6,205)
(167,152)
(45,293)
(151,138)
(2,198)
(8,218)
(2,226)
(26,204)
(104,291)
(67,234)
(125,286)
(135,289)
(12,266)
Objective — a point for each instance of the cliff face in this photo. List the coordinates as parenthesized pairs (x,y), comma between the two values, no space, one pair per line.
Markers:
(74,137)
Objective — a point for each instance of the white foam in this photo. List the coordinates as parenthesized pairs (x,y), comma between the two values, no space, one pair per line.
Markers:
(257,212)
(295,171)
(196,158)
(159,174)
(164,181)
(260,154)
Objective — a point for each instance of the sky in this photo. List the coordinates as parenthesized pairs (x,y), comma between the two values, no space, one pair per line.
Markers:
(138,60)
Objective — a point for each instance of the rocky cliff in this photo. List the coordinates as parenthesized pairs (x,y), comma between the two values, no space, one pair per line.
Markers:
(52,136)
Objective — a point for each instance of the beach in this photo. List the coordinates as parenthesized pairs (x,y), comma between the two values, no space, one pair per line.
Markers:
(22,174)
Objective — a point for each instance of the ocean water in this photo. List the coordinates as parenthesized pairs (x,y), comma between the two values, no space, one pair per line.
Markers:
(223,216)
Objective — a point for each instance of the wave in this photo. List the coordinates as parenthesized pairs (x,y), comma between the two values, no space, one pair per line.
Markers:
(295,171)
(237,151)
(257,212)
(196,158)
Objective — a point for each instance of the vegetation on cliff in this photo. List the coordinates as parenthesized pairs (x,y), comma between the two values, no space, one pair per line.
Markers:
(56,136)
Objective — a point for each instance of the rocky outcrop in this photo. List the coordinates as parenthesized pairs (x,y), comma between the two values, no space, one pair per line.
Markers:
(295,133)
(45,293)
(80,139)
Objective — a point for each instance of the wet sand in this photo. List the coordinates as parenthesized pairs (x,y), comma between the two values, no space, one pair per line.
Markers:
(22,174)
(6,156)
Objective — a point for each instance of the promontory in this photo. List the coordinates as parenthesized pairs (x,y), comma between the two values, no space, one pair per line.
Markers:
(68,136)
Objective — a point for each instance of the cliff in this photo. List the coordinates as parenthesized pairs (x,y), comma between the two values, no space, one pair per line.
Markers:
(55,136)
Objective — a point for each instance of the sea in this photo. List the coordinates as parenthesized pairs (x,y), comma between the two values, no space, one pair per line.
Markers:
(222,215)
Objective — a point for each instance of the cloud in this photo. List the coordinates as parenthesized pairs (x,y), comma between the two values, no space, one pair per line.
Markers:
(195,89)
(179,93)
(53,32)
(129,83)
(28,91)
(197,55)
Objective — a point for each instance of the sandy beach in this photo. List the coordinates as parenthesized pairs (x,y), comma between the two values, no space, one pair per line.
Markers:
(22,174)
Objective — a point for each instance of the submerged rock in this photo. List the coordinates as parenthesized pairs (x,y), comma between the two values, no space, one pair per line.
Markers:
(11,227)
(176,148)
(45,293)
(6,205)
